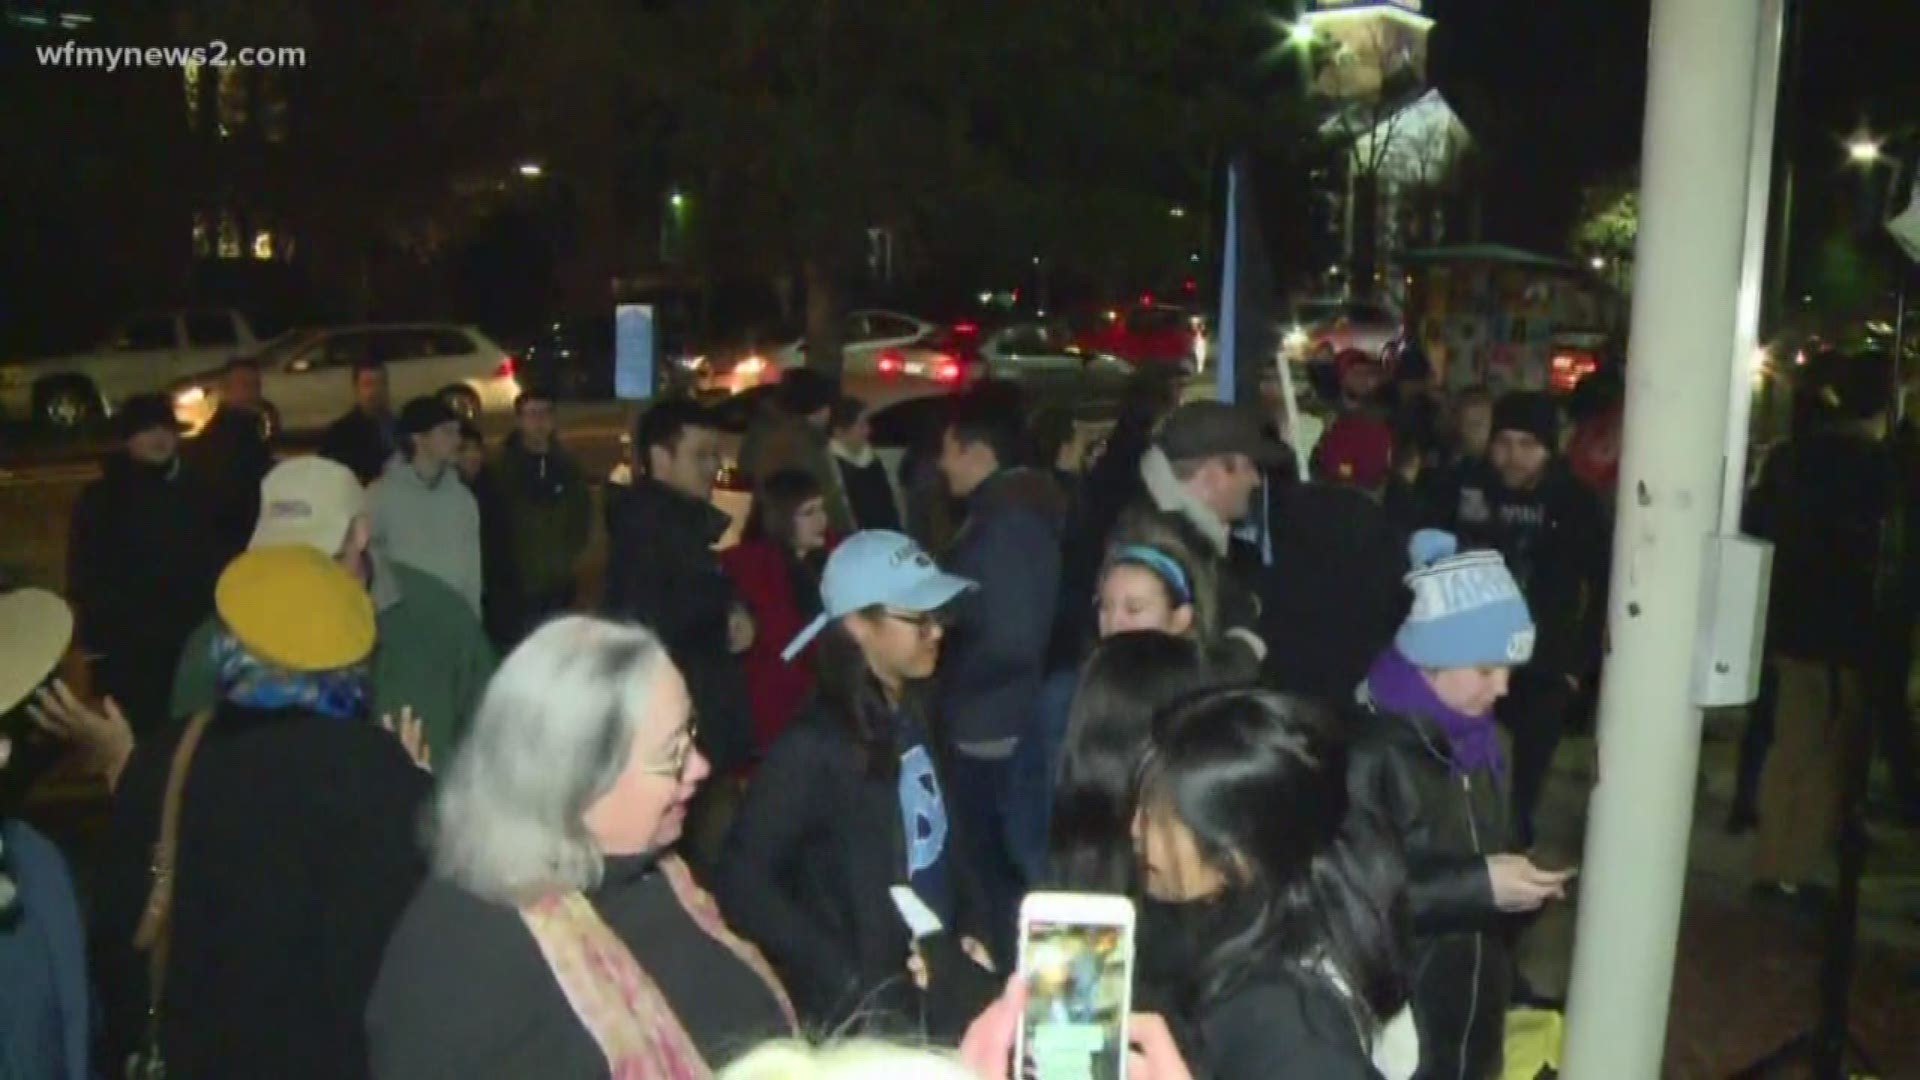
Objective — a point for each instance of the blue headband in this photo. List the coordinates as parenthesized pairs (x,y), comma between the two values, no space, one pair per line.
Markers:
(1160,563)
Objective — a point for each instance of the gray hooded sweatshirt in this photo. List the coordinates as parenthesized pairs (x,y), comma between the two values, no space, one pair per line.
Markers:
(432,527)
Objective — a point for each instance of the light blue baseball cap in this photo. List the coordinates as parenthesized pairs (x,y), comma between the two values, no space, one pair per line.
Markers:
(878,568)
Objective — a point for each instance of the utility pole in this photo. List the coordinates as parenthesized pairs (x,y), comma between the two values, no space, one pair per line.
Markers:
(1695,189)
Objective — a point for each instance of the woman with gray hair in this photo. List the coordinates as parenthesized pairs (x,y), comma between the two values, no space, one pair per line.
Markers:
(559,935)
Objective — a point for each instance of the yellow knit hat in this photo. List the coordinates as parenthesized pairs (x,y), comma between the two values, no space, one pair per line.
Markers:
(295,608)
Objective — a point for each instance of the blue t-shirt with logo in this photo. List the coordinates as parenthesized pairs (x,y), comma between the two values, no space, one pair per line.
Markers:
(923,817)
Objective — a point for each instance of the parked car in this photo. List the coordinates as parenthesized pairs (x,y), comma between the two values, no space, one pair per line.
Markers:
(146,353)
(888,345)
(1042,355)
(1147,333)
(1322,329)
(306,375)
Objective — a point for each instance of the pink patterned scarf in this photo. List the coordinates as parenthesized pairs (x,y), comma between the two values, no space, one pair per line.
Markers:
(619,1005)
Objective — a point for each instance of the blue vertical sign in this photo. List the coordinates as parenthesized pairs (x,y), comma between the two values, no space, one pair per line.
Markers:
(633,352)
(1227,336)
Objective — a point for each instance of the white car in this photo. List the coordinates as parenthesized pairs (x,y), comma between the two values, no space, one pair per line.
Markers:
(889,345)
(1323,329)
(307,375)
(146,353)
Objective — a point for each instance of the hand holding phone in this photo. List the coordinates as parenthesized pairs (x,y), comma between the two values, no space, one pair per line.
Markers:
(1076,957)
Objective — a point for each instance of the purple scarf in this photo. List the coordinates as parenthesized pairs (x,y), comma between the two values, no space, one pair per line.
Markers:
(1397,686)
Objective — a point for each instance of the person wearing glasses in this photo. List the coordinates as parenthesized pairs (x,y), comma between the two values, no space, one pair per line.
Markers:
(559,934)
(853,800)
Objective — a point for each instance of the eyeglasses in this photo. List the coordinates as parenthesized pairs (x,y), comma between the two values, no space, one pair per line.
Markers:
(926,622)
(675,763)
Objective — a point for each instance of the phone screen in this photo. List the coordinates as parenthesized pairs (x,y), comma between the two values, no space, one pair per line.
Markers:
(1079,977)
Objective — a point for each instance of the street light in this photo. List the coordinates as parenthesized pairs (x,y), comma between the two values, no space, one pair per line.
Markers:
(1863,150)
(1301,33)
(1598,263)
(677,200)
(1177,212)
(531,170)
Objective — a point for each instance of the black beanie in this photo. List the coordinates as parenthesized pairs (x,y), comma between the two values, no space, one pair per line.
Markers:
(1530,411)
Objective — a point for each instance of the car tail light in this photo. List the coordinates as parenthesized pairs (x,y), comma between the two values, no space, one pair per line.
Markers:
(946,370)
(966,329)
(1567,369)
(508,367)
(891,362)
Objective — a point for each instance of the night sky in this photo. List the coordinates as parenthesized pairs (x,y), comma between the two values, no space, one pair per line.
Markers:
(1555,92)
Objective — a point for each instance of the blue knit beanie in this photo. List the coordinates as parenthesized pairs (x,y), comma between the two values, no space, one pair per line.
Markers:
(1467,611)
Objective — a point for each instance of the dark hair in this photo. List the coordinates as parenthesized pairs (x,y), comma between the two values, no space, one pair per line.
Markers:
(989,415)
(661,426)
(1260,778)
(780,497)
(365,364)
(1169,535)
(1128,677)
(241,363)
(804,391)
(847,412)
(850,693)
(470,433)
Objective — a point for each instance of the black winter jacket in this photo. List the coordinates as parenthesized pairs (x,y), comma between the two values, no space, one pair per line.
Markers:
(995,655)
(1556,540)
(663,574)
(807,869)
(297,856)
(1823,500)
(141,565)
(1401,769)
(1334,595)
(361,443)
(227,462)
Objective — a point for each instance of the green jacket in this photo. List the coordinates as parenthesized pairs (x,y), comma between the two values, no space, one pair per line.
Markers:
(431,655)
(549,514)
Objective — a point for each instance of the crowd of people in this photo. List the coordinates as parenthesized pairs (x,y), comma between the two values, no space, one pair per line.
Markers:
(343,841)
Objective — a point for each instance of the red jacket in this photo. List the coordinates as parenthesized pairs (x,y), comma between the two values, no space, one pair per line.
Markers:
(775,689)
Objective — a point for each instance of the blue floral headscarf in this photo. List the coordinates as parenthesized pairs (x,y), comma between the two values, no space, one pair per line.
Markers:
(245,679)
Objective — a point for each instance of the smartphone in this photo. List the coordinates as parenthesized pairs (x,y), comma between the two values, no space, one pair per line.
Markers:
(1076,955)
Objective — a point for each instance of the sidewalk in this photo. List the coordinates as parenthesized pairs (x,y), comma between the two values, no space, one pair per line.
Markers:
(1747,976)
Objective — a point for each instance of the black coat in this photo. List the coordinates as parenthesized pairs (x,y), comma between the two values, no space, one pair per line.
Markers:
(361,443)
(1334,595)
(297,856)
(807,869)
(1556,540)
(662,573)
(141,564)
(227,461)
(500,581)
(1401,770)
(995,654)
(465,991)
(1111,486)
(1281,1025)
(1823,500)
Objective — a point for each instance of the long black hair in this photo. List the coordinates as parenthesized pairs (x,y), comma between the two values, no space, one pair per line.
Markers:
(1260,778)
(777,503)
(1126,679)
(851,695)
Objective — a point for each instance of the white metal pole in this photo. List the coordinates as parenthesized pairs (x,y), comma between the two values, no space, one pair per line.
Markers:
(1694,161)
(1753,259)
